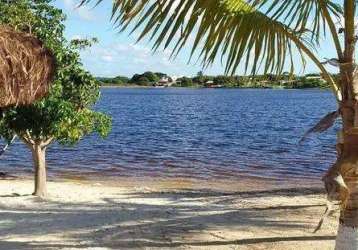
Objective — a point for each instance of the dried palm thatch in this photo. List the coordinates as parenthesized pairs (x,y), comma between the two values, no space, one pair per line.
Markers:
(26,68)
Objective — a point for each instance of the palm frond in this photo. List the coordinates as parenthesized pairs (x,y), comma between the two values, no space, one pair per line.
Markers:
(301,15)
(253,33)
(325,123)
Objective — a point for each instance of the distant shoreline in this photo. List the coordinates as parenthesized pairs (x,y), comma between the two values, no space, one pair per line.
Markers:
(152,87)
(126,86)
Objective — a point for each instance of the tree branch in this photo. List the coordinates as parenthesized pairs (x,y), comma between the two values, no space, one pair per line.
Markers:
(47,142)
(27,136)
(25,140)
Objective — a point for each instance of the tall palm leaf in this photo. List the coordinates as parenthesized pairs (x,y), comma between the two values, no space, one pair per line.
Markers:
(259,34)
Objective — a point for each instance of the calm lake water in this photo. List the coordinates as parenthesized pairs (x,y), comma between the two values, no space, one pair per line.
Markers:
(198,133)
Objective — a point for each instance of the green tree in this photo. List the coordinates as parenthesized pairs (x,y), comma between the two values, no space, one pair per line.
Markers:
(185,81)
(120,80)
(152,77)
(228,81)
(202,80)
(145,79)
(135,78)
(265,32)
(104,80)
(160,74)
(113,80)
(65,115)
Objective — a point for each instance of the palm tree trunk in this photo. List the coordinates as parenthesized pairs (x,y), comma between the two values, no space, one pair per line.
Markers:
(347,163)
(347,237)
(38,155)
(347,167)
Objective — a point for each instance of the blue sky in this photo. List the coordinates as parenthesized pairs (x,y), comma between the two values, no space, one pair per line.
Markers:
(118,54)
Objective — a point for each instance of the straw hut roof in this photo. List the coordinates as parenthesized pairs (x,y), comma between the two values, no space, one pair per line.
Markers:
(26,68)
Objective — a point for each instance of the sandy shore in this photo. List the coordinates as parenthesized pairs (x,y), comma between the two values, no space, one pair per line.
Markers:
(173,215)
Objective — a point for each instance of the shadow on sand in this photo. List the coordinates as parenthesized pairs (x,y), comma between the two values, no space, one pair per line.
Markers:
(134,221)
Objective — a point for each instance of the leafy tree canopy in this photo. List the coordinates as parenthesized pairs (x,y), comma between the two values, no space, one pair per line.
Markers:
(147,78)
(65,115)
(114,80)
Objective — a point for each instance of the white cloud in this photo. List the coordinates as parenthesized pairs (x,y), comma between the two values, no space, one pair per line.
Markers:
(127,59)
(140,60)
(107,58)
(68,3)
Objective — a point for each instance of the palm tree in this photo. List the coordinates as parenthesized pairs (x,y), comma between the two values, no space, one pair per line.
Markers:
(266,35)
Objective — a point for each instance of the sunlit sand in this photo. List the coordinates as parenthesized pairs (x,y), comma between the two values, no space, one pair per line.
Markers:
(142,214)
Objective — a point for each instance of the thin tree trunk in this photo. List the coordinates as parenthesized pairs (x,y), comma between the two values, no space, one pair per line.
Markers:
(38,155)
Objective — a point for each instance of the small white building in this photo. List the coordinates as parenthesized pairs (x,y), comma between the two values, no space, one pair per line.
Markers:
(165,82)
(314,77)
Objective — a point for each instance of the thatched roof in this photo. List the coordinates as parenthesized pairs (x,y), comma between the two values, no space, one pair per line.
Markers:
(26,68)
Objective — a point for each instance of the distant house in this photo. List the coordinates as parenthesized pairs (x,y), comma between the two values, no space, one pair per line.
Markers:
(165,82)
(216,86)
(174,79)
(211,84)
(314,77)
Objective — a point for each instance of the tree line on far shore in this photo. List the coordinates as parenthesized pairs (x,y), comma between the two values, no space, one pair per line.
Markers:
(288,81)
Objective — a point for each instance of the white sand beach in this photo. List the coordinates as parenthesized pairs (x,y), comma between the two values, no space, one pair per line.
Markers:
(161,215)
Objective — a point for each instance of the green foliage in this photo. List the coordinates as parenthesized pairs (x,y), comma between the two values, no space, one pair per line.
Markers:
(146,79)
(225,80)
(121,80)
(202,79)
(185,81)
(65,115)
(118,80)
(285,80)
(56,119)
(152,77)
(160,75)
(308,82)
